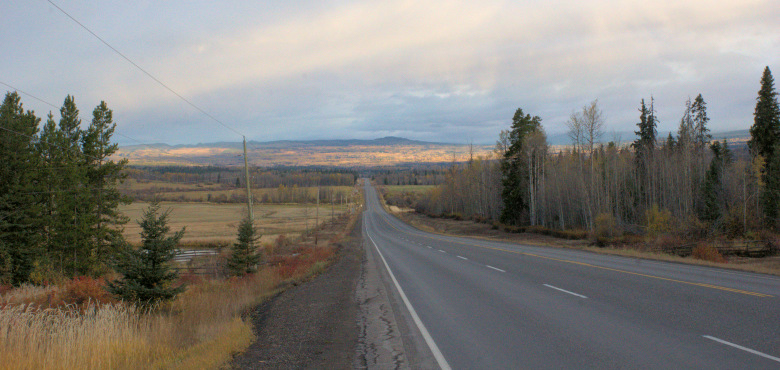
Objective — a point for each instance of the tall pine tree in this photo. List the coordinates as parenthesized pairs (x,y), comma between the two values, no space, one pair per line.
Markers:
(72,218)
(764,141)
(765,132)
(644,150)
(103,175)
(514,169)
(19,185)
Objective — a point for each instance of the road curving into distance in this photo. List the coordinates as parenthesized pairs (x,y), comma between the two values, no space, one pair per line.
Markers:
(485,304)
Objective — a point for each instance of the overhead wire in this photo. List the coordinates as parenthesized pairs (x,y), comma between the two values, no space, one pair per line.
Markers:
(117,133)
(144,71)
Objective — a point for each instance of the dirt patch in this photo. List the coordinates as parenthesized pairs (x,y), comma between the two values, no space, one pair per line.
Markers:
(313,324)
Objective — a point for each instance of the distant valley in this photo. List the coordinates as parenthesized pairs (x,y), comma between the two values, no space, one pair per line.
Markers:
(387,151)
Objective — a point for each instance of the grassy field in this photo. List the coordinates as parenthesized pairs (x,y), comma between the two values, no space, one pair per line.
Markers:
(78,325)
(218,223)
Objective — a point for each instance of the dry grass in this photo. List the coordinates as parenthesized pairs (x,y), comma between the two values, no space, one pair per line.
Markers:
(201,329)
(209,223)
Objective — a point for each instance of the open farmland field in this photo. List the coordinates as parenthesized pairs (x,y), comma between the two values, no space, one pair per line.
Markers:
(218,223)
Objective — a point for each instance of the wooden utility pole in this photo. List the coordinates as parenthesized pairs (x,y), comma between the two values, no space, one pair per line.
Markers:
(317,216)
(248,189)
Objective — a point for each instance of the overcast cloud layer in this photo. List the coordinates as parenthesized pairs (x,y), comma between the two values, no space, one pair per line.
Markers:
(450,71)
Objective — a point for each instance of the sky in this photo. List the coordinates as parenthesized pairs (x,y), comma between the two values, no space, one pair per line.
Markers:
(439,70)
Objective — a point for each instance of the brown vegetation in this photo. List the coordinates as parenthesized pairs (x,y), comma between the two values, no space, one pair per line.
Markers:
(76,325)
(666,247)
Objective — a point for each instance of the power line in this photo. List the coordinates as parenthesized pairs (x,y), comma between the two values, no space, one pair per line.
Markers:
(117,133)
(30,95)
(144,71)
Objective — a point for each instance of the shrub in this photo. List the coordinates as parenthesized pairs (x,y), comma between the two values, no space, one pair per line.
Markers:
(659,221)
(606,226)
(693,228)
(84,289)
(707,252)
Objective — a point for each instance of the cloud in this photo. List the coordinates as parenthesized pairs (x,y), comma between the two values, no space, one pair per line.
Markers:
(434,70)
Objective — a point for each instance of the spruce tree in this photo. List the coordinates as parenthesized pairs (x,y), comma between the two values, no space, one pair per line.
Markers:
(20,220)
(702,135)
(72,217)
(765,141)
(244,257)
(770,196)
(514,169)
(712,189)
(765,132)
(103,175)
(644,150)
(147,276)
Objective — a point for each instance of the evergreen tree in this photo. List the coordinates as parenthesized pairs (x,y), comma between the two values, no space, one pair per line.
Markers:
(644,150)
(770,196)
(146,273)
(685,133)
(712,191)
(701,132)
(72,217)
(51,160)
(765,132)
(19,208)
(514,169)
(102,177)
(244,257)
(764,140)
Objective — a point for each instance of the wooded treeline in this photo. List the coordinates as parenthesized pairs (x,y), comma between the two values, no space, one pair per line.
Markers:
(234,177)
(685,183)
(58,193)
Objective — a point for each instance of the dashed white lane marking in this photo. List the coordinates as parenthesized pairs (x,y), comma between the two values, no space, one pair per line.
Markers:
(737,346)
(463,258)
(426,335)
(429,247)
(442,251)
(494,268)
(565,291)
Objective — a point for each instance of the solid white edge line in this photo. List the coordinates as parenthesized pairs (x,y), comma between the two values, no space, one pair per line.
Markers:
(565,291)
(426,335)
(495,268)
(773,358)
(463,258)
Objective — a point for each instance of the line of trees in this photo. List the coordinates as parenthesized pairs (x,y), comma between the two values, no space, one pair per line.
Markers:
(685,182)
(234,177)
(58,193)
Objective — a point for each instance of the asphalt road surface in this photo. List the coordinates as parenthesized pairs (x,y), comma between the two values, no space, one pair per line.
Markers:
(481,304)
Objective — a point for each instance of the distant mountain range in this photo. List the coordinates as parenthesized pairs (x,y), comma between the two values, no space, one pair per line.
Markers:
(386,151)
(385,141)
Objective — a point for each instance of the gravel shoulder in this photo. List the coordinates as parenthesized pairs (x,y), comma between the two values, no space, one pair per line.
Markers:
(312,325)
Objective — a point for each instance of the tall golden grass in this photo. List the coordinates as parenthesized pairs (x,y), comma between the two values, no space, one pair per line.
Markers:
(202,328)
(76,326)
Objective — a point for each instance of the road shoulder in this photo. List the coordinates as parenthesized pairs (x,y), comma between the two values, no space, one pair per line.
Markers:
(311,325)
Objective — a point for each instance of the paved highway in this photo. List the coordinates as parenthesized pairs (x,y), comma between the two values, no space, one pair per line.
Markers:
(482,304)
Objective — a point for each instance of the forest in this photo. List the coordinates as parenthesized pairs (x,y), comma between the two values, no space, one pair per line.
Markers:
(686,183)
